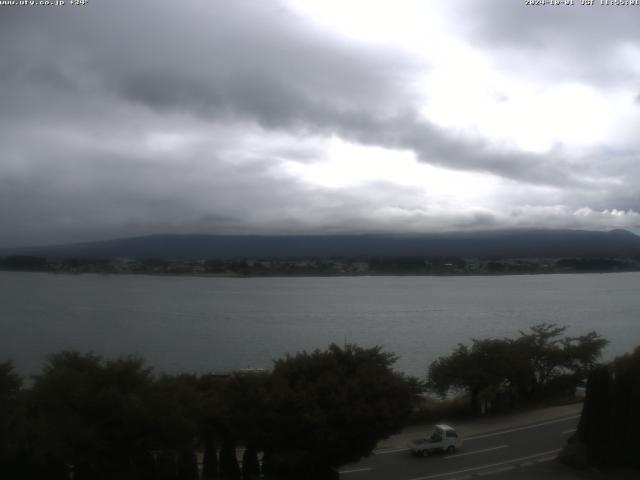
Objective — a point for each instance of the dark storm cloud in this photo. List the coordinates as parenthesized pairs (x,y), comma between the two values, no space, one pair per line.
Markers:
(90,94)
(70,198)
(81,88)
(245,60)
(276,105)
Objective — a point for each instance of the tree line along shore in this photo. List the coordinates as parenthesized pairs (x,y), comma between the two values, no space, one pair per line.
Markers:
(329,266)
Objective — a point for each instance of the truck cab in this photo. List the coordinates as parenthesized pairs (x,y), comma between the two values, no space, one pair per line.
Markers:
(443,439)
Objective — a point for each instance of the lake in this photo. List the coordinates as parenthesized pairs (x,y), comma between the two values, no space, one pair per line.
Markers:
(219,324)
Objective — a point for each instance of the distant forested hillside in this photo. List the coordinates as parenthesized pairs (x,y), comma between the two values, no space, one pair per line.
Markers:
(499,244)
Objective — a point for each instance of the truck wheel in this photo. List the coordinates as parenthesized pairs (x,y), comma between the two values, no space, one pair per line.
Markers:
(451,449)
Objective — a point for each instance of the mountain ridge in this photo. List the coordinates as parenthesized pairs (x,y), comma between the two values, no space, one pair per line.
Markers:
(489,243)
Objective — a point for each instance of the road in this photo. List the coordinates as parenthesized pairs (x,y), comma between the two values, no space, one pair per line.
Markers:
(480,455)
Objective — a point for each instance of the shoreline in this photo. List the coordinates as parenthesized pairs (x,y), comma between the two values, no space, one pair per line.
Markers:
(323,275)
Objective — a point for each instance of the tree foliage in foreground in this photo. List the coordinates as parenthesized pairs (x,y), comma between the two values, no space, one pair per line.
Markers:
(538,364)
(114,419)
(610,419)
(329,408)
(93,416)
(11,429)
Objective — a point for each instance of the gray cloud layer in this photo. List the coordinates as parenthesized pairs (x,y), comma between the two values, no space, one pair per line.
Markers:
(89,95)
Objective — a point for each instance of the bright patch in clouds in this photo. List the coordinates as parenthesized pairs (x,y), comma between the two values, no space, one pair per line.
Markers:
(347,165)
(522,115)
(409,23)
(462,87)
(351,165)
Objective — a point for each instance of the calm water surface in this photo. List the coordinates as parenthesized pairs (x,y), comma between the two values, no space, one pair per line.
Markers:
(201,324)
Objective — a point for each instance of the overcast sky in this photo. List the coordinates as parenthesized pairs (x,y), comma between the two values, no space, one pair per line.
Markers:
(123,118)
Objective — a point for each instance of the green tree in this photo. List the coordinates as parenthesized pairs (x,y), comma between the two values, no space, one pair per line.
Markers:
(594,428)
(11,421)
(552,357)
(229,468)
(329,408)
(92,415)
(487,366)
(625,399)
(213,411)
(582,353)
(210,456)
(174,404)
(540,363)
(250,463)
(610,419)
(542,346)
(241,416)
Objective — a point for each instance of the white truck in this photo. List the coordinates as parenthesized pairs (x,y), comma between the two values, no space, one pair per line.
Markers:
(443,439)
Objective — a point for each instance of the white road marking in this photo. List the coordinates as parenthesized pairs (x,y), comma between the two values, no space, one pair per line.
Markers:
(456,455)
(567,432)
(546,459)
(355,470)
(484,467)
(558,420)
(394,450)
(493,471)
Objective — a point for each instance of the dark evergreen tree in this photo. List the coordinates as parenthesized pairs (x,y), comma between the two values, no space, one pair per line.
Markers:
(610,418)
(167,466)
(594,428)
(229,468)
(250,464)
(12,416)
(210,458)
(187,465)
(625,400)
